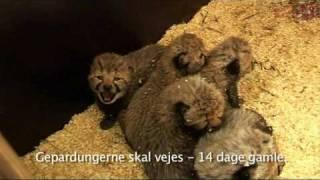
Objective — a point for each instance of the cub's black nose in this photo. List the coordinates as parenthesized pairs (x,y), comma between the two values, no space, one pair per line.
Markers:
(107,87)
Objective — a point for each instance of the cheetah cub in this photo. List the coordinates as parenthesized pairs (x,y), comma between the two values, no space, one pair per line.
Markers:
(226,64)
(165,113)
(244,133)
(114,79)
(157,124)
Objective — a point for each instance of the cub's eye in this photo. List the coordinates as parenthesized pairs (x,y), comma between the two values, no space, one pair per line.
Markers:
(117,79)
(245,51)
(204,58)
(100,77)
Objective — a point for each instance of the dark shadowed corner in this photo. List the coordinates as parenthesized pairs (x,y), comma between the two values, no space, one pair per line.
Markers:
(46,47)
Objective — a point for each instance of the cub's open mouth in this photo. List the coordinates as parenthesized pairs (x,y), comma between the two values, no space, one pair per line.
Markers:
(107,97)
(111,95)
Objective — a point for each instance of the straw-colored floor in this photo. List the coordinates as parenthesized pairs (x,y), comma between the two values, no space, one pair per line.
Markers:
(284,87)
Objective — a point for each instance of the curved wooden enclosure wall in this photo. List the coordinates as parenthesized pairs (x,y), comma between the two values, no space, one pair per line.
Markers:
(11,166)
(46,47)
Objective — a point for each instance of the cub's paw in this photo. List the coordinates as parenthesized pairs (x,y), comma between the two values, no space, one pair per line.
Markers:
(108,122)
(192,117)
(190,62)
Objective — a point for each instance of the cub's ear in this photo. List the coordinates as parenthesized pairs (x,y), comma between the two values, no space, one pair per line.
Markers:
(233,67)
(124,66)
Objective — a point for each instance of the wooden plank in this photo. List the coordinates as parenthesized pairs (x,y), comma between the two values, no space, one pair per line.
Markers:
(11,166)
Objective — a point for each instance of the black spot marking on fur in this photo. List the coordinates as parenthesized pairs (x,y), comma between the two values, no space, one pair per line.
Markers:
(233,97)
